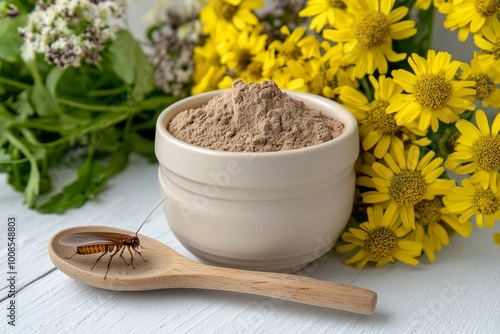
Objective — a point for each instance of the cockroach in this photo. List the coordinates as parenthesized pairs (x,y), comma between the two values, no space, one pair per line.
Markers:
(105,242)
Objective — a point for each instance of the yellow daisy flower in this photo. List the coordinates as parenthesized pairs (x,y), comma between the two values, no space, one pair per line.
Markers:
(489,43)
(296,46)
(205,56)
(470,199)
(382,239)
(239,52)
(366,34)
(269,61)
(432,223)
(323,12)
(208,70)
(322,77)
(477,150)
(364,169)
(404,180)
(469,16)
(284,79)
(487,78)
(225,17)
(254,72)
(327,81)
(433,92)
(377,128)
(210,80)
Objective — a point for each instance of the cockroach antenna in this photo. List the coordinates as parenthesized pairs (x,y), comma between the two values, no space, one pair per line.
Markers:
(145,220)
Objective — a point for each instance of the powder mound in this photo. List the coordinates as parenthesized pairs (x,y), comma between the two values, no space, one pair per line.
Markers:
(254,118)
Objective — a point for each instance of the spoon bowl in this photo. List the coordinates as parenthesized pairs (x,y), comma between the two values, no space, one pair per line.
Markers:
(165,269)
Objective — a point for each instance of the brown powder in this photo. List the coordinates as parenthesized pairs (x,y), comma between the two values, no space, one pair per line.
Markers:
(254,118)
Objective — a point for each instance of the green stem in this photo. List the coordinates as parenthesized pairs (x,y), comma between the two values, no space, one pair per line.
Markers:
(99,107)
(20,146)
(428,18)
(16,173)
(142,126)
(37,78)
(33,124)
(14,83)
(30,137)
(106,92)
(12,162)
(132,107)
(93,127)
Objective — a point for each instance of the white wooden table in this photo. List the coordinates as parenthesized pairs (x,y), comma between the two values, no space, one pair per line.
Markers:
(459,293)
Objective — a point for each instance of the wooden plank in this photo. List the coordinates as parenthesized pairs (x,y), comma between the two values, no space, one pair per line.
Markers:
(460,291)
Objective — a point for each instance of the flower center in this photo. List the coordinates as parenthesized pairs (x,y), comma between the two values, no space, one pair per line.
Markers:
(486,153)
(317,84)
(486,202)
(337,4)
(243,58)
(320,81)
(290,50)
(429,211)
(487,7)
(224,10)
(380,119)
(407,188)
(433,92)
(485,86)
(372,30)
(254,70)
(381,243)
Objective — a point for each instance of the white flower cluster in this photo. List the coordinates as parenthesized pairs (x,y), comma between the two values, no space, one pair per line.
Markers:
(172,46)
(70,31)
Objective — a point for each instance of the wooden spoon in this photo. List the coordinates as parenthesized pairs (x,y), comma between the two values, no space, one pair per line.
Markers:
(165,268)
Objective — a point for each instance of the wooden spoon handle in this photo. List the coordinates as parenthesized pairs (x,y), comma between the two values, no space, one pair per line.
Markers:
(282,286)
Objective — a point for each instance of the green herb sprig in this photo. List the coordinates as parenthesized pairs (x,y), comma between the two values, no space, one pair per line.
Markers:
(89,117)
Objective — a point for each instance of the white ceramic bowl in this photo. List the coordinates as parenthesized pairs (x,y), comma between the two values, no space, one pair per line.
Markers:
(270,211)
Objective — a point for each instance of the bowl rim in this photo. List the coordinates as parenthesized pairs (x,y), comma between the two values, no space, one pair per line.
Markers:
(348,119)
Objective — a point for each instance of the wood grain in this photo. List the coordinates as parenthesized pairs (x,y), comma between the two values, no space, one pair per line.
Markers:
(459,293)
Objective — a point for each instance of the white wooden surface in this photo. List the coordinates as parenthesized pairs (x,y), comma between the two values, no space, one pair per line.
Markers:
(459,293)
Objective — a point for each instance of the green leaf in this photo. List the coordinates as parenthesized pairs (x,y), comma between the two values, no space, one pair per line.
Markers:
(91,177)
(10,41)
(23,106)
(131,64)
(42,101)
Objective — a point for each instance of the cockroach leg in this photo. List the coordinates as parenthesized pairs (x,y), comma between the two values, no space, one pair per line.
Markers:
(71,255)
(110,259)
(121,255)
(106,252)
